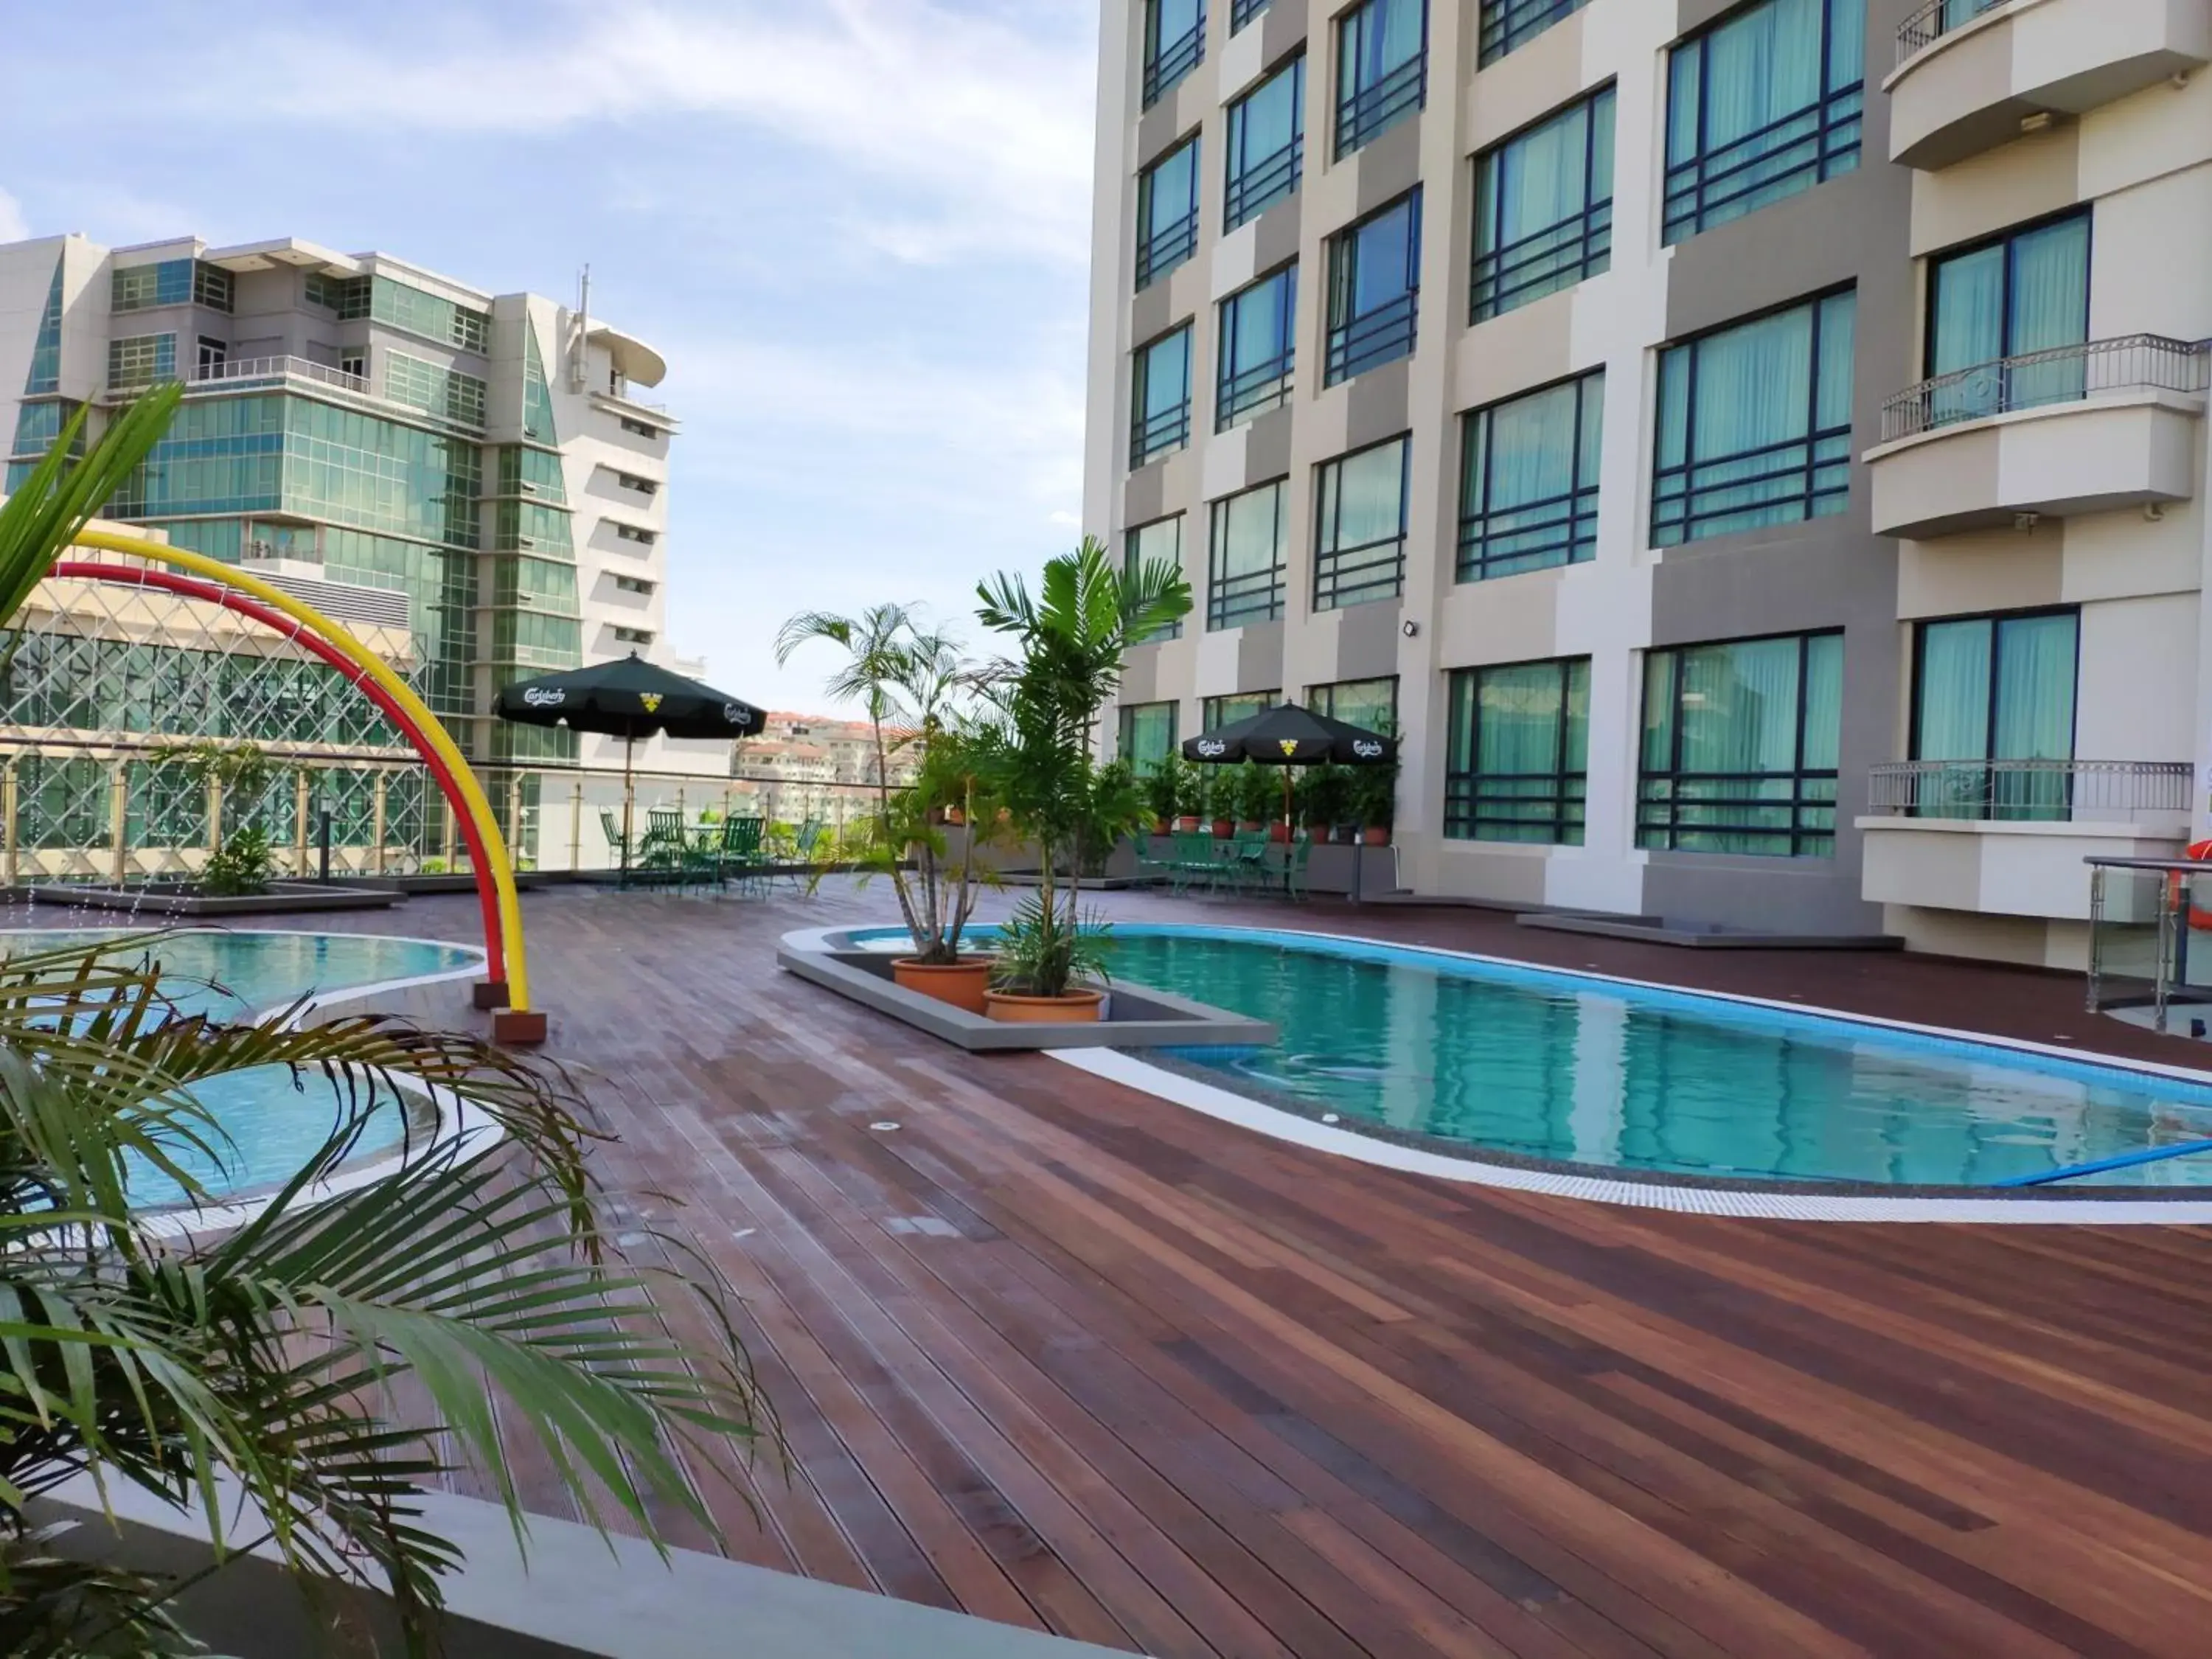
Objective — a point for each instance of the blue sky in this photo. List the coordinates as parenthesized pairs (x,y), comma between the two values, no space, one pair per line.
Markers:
(857,229)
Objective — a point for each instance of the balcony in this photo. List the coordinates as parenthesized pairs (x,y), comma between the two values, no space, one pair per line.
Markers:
(2009,837)
(2085,429)
(1969,73)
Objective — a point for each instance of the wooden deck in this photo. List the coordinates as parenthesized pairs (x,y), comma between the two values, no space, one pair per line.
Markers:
(1067,1357)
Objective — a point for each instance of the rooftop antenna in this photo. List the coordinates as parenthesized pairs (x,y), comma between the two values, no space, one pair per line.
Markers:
(579,372)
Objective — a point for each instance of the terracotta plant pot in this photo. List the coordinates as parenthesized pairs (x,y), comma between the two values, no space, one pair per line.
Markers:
(1188,824)
(1223,827)
(1376,835)
(1163,826)
(1279,833)
(962,983)
(1248,826)
(1076,1008)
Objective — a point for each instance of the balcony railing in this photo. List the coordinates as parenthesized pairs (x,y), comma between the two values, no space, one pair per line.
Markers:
(2134,362)
(2032,791)
(1242,12)
(1371,109)
(281,369)
(1165,247)
(1156,434)
(1509,23)
(1372,339)
(1174,59)
(1936,19)
(1264,183)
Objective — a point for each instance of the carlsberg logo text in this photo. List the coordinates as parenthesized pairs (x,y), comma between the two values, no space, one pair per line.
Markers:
(539,697)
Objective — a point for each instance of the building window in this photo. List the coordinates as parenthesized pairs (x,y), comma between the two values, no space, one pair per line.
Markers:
(1519,755)
(1147,735)
(1740,743)
(213,355)
(141,360)
(320,289)
(1755,424)
(630,533)
(2024,292)
(640,428)
(1359,546)
(1509,23)
(1382,68)
(1174,42)
(1249,551)
(137,288)
(633,635)
(1217,711)
(354,364)
(1257,347)
(1167,212)
(434,388)
(642,486)
(1372,704)
(1528,481)
(1374,289)
(1159,396)
(633,585)
(1266,143)
(1995,690)
(1760,106)
(46,373)
(1543,208)
(1157,543)
(1242,12)
(211,287)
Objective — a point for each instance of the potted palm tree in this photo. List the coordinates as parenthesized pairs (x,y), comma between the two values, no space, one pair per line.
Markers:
(1255,797)
(1068,641)
(1375,801)
(1163,789)
(1220,809)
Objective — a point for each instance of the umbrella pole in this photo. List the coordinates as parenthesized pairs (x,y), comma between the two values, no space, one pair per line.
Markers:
(629,800)
(1287,804)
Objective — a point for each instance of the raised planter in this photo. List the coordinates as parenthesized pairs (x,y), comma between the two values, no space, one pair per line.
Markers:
(963,984)
(1375,835)
(1077,1007)
(170,898)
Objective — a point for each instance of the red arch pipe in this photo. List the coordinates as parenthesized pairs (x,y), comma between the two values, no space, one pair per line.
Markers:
(191,587)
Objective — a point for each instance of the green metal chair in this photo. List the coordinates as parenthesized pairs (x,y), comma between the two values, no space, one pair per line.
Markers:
(617,843)
(1244,868)
(1290,868)
(804,844)
(1192,860)
(740,854)
(661,851)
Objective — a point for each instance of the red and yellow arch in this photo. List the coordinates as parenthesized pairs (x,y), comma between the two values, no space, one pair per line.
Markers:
(195,575)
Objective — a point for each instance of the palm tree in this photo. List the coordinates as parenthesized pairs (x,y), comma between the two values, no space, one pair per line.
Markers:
(260,1359)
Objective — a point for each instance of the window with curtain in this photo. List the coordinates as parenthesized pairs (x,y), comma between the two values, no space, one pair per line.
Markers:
(1159,396)
(1174,42)
(1374,289)
(1157,543)
(1518,759)
(1740,747)
(1507,24)
(1256,348)
(1147,735)
(1528,481)
(1248,552)
(1242,12)
(1994,309)
(1266,143)
(1382,68)
(1167,212)
(1755,424)
(1360,541)
(1996,695)
(1760,105)
(1370,703)
(1214,712)
(1543,208)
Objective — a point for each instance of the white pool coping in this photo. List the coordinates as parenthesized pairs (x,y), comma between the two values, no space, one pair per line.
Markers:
(1656,1192)
(460,1127)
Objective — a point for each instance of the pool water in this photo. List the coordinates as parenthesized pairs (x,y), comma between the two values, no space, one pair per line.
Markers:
(274,1124)
(1557,1066)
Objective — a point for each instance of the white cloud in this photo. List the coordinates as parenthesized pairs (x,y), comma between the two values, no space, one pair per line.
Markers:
(13,227)
(1064,517)
(989,128)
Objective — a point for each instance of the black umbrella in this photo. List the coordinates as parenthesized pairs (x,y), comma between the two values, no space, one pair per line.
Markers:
(629,699)
(1286,736)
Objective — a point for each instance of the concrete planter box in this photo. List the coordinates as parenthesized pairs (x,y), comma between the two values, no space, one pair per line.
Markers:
(164,898)
(1132,1018)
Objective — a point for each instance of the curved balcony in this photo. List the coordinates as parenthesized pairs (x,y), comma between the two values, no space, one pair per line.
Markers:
(2084,428)
(1969,73)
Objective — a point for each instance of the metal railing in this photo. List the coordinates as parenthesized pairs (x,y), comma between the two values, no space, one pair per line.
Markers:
(1372,339)
(1264,183)
(1242,12)
(1173,59)
(282,368)
(1156,434)
(1165,247)
(2032,791)
(2132,363)
(1509,23)
(1372,108)
(1936,19)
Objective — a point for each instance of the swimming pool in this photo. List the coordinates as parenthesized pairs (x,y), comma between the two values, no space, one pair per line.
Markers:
(1451,1051)
(274,1124)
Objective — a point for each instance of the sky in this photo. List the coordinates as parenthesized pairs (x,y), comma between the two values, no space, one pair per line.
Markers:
(857,229)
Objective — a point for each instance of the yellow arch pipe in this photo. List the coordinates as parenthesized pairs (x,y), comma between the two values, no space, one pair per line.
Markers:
(341,640)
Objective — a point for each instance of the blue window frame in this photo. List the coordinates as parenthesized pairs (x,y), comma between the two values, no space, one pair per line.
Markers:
(1529,482)
(1159,396)
(1159,542)
(1374,289)
(1382,68)
(2010,306)
(1994,698)
(1242,12)
(1543,208)
(1258,348)
(1174,43)
(1266,143)
(1167,212)
(1509,23)
(1246,553)
(1755,424)
(1147,736)
(1518,765)
(46,373)
(1761,105)
(1740,747)
(1359,536)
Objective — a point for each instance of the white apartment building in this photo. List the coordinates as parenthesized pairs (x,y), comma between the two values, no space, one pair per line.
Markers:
(1754,454)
